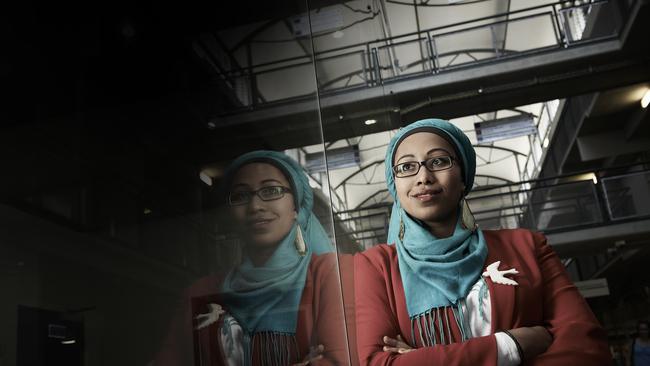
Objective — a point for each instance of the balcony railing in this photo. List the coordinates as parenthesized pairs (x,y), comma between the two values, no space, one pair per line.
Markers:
(555,204)
(566,202)
(428,52)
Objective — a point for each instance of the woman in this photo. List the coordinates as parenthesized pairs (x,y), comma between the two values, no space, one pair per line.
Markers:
(639,351)
(282,304)
(445,292)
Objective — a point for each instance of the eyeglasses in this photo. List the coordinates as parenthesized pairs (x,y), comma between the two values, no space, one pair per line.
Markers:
(410,168)
(265,194)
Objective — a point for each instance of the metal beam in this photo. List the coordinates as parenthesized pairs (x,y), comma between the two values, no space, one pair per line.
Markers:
(423,85)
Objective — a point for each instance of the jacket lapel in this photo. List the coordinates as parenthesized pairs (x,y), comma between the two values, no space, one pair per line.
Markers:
(502,297)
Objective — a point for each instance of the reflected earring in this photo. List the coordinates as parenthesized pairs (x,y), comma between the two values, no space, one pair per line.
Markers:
(466,216)
(300,242)
(401,230)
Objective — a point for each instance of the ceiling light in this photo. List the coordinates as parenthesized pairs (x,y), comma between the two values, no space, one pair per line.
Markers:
(370,122)
(546,143)
(69,341)
(646,99)
(584,177)
(205,178)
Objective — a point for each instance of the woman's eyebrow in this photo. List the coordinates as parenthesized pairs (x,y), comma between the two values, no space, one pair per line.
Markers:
(437,149)
(428,152)
(271,181)
(405,156)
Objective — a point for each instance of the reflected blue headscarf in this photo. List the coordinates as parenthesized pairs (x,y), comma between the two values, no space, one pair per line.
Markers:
(436,272)
(266,298)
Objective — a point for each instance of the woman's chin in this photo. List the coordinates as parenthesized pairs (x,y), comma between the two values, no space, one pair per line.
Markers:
(433,215)
(262,242)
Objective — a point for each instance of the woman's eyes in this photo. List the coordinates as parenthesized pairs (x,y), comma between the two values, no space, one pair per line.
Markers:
(409,166)
(239,195)
(269,191)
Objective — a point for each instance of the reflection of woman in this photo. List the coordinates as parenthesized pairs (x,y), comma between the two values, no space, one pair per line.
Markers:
(282,304)
(640,348)
(449,293)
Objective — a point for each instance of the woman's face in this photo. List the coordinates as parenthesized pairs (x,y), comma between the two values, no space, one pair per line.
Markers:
(263,223)
(432,197)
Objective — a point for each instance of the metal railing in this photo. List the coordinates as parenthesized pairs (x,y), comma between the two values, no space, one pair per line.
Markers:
(555,204)
(367,64)
(565,202)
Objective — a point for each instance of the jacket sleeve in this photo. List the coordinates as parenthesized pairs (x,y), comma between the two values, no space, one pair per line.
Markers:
(375,319)
(329,317)
(176,348)
(578,339)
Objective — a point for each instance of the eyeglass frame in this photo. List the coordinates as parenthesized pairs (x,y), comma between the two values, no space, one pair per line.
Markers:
(283,190)
(423,164)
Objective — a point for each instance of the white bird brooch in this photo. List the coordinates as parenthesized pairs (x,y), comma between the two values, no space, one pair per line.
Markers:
(210,317)
(497,276)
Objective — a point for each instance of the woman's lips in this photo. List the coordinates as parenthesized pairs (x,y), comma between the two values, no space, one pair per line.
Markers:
(427,196)
(258,224)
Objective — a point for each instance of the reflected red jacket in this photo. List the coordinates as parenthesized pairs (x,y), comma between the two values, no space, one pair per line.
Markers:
(545,296)
(320,319)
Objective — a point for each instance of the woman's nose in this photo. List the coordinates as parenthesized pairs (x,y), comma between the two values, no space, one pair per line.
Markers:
(255,204)
(424,176)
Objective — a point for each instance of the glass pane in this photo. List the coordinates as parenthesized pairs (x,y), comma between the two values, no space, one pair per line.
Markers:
(126,239)
(565,205)
(627,195)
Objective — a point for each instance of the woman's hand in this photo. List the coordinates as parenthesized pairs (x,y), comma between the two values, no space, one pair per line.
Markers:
(315,353)
(396,345)
(533,340)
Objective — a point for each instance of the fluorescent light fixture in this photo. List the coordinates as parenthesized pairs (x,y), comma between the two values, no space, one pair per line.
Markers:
(545,143)
(205,178)
(586,176)
(505,128)
(370,122)
(646,99)
(69,341)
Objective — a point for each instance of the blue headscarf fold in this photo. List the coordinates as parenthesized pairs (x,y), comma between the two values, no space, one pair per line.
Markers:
(266,298)
(436,272)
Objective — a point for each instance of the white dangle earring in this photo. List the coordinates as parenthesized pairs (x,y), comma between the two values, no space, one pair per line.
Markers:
(466,216)
(301,247)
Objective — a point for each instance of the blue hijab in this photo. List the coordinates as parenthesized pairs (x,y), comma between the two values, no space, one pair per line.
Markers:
(266,298)
(436,272)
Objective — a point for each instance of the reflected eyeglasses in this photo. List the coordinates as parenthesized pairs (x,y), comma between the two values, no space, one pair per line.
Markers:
(270,193)
(411,168)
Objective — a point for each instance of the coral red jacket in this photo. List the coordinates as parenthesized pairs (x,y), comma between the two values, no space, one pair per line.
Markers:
(320,319)
(545,296)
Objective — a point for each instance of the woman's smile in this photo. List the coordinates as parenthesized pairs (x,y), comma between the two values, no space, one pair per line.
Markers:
(427,195)
(260,223)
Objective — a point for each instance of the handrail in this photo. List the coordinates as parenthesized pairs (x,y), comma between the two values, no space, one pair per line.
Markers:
(568,175)
(426,32)
(571,204)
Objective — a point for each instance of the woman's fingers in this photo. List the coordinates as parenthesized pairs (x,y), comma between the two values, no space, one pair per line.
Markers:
(396,345)
(315,350)
(315,353)
(397,349)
